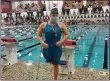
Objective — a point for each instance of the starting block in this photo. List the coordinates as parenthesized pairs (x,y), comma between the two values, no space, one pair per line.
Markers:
(10,51)
(67,60)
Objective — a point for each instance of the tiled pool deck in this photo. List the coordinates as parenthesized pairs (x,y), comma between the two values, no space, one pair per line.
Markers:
(20,71)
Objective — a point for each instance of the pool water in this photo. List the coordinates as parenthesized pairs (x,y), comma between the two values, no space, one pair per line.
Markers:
(90,52)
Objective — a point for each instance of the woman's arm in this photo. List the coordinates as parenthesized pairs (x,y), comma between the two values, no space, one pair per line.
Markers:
(39,36)
(65,36)
(40,31)
(65,32)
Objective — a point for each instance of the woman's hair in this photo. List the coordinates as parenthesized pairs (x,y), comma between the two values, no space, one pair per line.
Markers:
(54,11)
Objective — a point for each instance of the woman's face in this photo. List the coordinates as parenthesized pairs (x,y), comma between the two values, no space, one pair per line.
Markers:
(53,15)
(53,18)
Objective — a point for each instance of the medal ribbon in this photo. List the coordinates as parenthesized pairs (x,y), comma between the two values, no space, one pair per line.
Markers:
(53,28)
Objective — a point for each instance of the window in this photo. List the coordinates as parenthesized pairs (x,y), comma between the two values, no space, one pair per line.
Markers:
(106,15)
(88,16)
(84,16)
(91,16)
(95,16)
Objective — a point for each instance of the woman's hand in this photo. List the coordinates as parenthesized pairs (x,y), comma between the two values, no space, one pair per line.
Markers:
(58,43)
(45,45)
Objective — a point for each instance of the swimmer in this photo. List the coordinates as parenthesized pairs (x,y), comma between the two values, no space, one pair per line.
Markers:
(52,46)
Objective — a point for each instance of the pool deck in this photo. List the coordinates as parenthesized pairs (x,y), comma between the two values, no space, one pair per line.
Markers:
(20,71)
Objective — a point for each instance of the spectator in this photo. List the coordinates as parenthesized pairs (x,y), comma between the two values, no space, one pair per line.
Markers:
(33,7)
(20,8)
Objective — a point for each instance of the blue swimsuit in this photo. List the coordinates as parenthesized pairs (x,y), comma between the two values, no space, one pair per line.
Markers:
(53,53)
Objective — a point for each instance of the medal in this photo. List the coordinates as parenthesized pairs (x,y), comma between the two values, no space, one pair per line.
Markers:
(55,31)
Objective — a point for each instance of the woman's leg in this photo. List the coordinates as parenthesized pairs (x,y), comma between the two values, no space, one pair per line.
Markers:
(56,70)
(55,60)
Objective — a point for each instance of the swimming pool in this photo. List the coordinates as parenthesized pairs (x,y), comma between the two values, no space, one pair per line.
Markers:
(91,43)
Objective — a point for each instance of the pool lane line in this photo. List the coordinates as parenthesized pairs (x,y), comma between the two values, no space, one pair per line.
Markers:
(28,47)
(82,35)
(109,48)
(26,53)
(31,37)
(105,63)
(86,63)
(24,49)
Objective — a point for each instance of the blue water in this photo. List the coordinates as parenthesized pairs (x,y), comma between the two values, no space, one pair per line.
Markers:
(84,44)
